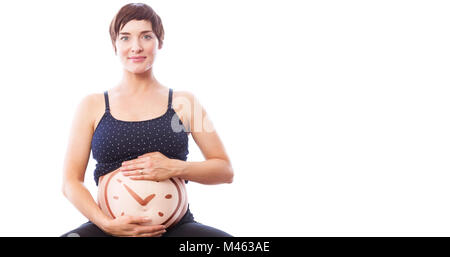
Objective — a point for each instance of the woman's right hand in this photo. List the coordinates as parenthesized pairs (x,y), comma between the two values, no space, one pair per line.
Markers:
(130,226)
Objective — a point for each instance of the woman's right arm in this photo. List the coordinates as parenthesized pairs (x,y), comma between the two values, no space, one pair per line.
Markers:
(75,163)
(76,160)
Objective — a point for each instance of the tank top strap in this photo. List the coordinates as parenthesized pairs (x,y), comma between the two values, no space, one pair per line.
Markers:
(106,101)
(170,98)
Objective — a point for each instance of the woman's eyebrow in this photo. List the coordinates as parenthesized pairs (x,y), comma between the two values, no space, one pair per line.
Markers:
(127,33)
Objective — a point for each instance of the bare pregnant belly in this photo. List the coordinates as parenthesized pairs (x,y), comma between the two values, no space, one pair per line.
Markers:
(164,202)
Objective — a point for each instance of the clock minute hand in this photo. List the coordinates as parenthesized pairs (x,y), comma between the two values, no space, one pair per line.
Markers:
(138,199)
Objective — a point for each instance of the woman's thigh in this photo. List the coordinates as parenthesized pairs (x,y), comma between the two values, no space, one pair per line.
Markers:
(195,229)
(87,229)
(189,229)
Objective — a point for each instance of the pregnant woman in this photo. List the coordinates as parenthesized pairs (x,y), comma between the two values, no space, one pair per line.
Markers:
(139,130)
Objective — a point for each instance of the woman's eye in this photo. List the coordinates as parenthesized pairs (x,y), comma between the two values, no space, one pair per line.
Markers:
(146,37)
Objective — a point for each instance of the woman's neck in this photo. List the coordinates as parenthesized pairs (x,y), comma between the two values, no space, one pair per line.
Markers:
(138,83)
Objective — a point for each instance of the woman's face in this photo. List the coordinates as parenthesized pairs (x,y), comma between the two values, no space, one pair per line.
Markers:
(136,39)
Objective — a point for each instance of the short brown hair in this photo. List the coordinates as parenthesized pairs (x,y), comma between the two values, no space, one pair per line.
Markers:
(136,11)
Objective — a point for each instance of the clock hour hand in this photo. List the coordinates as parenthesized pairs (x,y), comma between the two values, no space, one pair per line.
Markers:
(138,199)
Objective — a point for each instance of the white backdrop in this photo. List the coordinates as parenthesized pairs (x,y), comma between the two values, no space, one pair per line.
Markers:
(335,114)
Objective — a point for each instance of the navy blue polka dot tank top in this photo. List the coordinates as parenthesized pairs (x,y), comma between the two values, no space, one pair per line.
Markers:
(115,141)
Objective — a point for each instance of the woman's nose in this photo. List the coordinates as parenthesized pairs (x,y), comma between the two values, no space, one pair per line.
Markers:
(136,47)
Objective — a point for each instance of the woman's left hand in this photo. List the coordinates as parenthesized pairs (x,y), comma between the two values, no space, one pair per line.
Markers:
(151,166)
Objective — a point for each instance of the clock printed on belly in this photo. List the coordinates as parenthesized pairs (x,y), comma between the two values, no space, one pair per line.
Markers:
(164,202)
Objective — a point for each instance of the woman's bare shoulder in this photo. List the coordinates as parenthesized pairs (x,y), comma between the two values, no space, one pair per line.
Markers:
(91,98)
(183,96)
(97,98)
(91,107)
(92,101)
(184,101)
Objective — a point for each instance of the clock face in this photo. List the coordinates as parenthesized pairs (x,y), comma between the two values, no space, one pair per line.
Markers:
(164,202)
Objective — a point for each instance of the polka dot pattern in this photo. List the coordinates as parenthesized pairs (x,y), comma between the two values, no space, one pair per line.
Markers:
(115,141)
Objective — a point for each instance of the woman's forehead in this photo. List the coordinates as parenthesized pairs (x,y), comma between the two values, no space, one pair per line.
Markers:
(135,26)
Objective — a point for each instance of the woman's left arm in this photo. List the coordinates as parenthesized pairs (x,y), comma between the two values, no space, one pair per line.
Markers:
(216,169)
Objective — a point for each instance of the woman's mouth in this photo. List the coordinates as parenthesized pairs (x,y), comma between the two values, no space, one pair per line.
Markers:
(137,58)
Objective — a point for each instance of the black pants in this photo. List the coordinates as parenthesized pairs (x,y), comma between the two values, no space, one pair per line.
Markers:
(186,227)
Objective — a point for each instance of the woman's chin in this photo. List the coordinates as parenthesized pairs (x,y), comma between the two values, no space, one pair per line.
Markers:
(138,69)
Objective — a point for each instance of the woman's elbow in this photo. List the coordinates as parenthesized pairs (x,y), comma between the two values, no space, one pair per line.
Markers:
(64,188)
(67,186)
(230,174)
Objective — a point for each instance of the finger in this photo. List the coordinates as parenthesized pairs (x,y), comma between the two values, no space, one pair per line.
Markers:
(134,161)
(139,219)
(141,174)
(151,177)
(130,163)
(131,232)
(156,234)
(140,177)
(136,172)
(135,166)
(150,229)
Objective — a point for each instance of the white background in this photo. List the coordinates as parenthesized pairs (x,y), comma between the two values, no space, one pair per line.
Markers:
(335,114)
